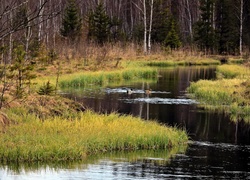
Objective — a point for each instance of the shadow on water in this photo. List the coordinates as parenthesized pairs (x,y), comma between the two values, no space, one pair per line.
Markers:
(219,148)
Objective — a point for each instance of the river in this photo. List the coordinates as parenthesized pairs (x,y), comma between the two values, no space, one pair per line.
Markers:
(218,148)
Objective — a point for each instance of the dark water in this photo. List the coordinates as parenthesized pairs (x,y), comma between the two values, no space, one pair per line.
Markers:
(220,149)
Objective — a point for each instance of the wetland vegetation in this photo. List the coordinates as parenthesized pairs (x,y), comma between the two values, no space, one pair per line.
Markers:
(51,128)
(39,54)
(58,139)
(229,92)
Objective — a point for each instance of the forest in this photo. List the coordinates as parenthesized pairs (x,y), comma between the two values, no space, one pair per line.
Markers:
(209,26)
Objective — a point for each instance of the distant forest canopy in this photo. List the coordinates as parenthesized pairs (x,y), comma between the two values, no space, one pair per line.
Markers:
(211,26)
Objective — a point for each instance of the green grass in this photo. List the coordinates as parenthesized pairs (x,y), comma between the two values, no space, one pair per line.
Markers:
(104,78)
(230,92)
(57,139)
(233,71)
(169,63)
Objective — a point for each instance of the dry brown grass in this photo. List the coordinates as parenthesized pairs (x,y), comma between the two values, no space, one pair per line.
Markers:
(4,121)
(47,106)
(92,57)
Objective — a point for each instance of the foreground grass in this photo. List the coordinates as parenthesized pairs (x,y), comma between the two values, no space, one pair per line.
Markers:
(230,92)
(31,139)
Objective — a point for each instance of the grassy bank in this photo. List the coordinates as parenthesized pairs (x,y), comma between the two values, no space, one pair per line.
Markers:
(103,78)
(55,139)
(128,70)
(170,63)
(230,92)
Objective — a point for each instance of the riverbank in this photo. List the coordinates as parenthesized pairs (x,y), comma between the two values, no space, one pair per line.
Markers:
(229,92)
(30,139)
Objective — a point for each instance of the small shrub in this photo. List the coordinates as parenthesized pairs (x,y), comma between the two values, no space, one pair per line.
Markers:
(52,55)
(46,89)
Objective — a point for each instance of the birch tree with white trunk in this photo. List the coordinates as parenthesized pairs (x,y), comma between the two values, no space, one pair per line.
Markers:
(150,25)
(145,26)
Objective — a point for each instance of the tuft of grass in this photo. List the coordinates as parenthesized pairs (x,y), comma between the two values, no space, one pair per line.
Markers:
(60,139)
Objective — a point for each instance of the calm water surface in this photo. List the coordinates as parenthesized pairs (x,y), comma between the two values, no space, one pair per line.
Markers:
(220,149)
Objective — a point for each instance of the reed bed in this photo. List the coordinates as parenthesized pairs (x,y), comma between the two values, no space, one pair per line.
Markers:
(102,78)
(230,92)
(60,139)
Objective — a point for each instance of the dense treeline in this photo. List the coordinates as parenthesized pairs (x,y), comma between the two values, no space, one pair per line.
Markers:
(212,26)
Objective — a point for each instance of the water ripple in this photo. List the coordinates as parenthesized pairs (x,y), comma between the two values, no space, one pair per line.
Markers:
(220,145)
(134,91)
(157,100)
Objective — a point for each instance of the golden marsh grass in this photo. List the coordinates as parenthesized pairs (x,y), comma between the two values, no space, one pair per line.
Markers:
(104,78)
(73,139)
(230,92)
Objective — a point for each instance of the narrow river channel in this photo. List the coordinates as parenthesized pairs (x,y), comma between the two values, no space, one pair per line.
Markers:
(218,148)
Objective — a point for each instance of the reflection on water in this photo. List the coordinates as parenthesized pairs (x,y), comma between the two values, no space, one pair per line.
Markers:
(157,100)
(113,165)
(202,160)
(220,149)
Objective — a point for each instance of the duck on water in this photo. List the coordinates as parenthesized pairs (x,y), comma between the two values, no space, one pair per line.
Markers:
(129,91)
(147,91)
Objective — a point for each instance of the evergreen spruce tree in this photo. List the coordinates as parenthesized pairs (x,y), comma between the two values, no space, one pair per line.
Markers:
(160,24)
(204,30)
(172,40)
(226,28)
(71,23)
(99,25)
(21,71)
(46,89)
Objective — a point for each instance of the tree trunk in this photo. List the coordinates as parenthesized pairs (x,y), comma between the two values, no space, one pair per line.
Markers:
(145,26)
(131,17)
(189,21)
(28,36)
(10,40)
(150,26)
(241,25)
(40,21)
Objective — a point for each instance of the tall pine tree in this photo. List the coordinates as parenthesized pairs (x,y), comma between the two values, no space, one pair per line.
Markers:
(172,40)
(99,25)
(205,27)
(226,28)
(71,23)
(160,24)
